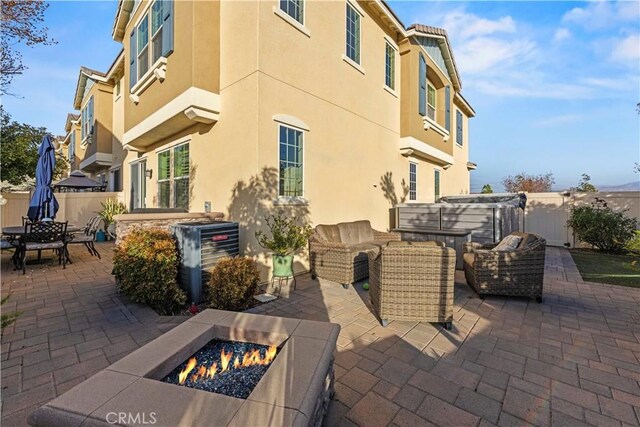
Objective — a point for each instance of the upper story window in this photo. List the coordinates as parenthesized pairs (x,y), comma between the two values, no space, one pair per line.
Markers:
(413,181)
(291,162)
(151,39)
(173,183)
(459,130)
(390,66)
(353,34)
(87,119)
(293,8)
(431,101)
(117,88)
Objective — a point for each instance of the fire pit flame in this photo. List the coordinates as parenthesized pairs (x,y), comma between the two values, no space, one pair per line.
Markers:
(249,358)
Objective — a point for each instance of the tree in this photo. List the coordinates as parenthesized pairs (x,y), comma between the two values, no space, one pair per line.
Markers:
(530,183)
(21,23)
(584,186)
(19,154)
(486,189)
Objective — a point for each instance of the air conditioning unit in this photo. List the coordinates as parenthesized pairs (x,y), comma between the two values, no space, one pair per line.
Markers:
(201,246)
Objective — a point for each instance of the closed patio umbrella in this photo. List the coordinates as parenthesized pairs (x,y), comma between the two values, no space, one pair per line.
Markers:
(43,203)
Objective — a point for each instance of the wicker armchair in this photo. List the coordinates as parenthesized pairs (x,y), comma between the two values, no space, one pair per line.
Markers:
(339,252)
(413,281)
(510,273)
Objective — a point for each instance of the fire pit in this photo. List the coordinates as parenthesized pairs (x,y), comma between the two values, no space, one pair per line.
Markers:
(231,368)
(248,370)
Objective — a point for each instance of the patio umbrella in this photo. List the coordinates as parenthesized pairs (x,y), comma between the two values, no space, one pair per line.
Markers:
(43,203)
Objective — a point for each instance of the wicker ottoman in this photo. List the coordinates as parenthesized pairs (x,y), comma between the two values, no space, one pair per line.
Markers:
(413,281)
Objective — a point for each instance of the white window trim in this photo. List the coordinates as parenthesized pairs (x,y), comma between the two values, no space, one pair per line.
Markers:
(353,63)
(157,71)
(291,200)
(431,124)
(356,65)
(439,169)
(435,99)
(87,138)
(393,46)
(294,23)
(409,194)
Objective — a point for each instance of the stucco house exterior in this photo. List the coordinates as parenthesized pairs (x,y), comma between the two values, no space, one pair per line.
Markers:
(332,111)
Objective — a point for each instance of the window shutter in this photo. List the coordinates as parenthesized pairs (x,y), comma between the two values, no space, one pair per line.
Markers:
(91,121)
(459,127)
(167,27)
(133,52)
(422,87)
(447,107)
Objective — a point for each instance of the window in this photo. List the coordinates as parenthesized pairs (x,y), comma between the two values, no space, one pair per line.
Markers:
(151,39)
(353,34)
(293,8)
(174,181)
(436,184)
(117,88)
(290,183)
(431,102)
(459,130)
(413,181)
(72,146)
(87,119)
(390,66)
(138,184)
(181,176)
(164,179)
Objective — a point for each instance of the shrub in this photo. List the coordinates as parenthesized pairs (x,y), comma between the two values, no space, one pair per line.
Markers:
(145,264)
(602,227)
(633,245)
(111,208)
(232,284)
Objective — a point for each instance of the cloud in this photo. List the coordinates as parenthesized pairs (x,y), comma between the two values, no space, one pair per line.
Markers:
(600,15)
(484,54)
(466,25)
(626,50)
(561,34)
(558,120)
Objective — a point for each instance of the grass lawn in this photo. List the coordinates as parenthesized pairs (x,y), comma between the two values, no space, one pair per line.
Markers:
(598,267)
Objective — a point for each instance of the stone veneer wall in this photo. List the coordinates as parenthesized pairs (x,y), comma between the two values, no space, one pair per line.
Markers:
(125,222)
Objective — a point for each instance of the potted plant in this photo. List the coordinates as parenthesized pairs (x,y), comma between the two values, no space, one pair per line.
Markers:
(111,208)
(287,237)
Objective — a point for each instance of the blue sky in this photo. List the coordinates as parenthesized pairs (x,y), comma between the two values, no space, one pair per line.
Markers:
(554,84)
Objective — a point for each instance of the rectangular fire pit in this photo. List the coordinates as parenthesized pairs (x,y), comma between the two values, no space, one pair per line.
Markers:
(294,390)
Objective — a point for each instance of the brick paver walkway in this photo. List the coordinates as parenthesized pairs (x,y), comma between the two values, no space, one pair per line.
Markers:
(73,324)
(572,360)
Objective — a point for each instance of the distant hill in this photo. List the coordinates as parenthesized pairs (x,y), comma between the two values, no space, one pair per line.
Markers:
(630,186)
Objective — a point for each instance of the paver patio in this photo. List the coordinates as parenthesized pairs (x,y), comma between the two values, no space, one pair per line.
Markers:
(572,360)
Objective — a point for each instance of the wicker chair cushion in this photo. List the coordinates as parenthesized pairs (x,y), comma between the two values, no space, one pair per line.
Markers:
(355,232)
(468,258)
(328,233)
(429,243)
(364,247)
(509,243)
(32,246)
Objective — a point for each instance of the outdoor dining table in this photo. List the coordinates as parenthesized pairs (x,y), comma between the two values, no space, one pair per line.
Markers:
(16,231)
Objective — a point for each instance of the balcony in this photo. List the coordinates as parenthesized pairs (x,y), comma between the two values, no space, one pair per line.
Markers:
(193,106)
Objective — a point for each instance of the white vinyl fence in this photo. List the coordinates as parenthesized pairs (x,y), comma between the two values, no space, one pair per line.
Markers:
(77,208)
(547,213)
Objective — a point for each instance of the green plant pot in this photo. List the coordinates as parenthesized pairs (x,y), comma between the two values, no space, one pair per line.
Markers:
(282,266)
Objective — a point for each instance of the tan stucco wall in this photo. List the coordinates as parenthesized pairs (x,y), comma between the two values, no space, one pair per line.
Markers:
(411,121)
(194,61)
(118,126)
(103,119)
(354,123)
